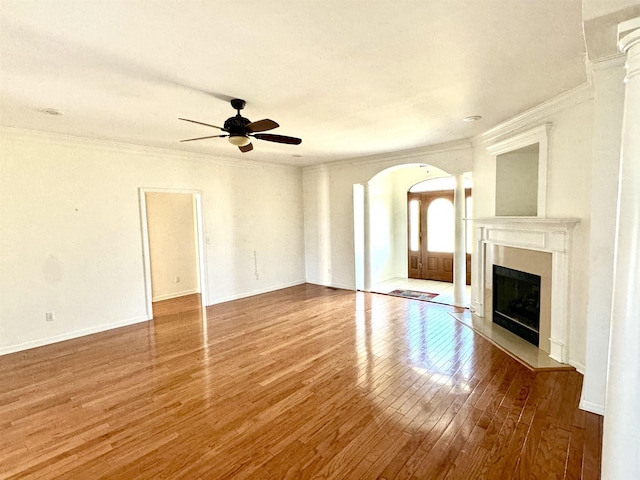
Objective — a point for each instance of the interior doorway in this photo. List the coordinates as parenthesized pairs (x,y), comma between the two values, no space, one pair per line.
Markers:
(380,232)
(173,246)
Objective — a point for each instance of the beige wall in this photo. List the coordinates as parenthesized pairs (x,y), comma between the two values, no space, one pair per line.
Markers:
(172,244)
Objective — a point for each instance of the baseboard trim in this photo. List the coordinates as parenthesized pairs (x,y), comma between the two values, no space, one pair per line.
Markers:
(71,335)
(334,285)
(238,296)
(578,366)
(169,296)
(592,407)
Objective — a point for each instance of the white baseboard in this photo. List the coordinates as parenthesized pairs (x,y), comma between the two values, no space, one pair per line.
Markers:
(387,278)
(169,296)
(334,285)
(578,366)
(70,335)
(592,407)
(254,292)
(143,318)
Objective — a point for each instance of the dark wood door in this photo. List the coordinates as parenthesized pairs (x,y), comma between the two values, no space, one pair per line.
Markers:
(431,224)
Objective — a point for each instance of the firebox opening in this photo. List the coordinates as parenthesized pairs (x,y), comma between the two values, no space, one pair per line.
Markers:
(516,302)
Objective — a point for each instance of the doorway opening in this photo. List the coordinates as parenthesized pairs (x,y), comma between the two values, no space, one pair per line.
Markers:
(380,234)
(173,249)
(430,221)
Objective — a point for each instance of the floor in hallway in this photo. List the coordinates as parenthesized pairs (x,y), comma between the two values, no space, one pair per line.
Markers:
(443,289)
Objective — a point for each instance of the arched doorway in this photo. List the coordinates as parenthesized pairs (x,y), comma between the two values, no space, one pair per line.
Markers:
(381,225)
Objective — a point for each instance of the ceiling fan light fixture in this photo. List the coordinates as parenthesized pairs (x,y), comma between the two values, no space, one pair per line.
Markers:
(239,140)
(240,130)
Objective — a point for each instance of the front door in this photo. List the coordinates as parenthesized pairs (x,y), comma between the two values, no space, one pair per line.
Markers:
(431,230)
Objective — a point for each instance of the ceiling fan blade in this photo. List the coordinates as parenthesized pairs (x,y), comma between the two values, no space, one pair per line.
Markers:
(200,123)
(247,148)
(262,125)
(269,137)
(202,138)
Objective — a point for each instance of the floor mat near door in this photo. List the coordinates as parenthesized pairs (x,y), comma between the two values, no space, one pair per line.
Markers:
(413,294)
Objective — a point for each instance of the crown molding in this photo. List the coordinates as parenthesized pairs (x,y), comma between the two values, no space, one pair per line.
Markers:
(611,61)
(414,155)
(538,134)
(539,113)
(110,146)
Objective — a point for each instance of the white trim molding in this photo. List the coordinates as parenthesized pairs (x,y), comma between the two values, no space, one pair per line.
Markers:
(552,235)
(146,252)
(539,113)
(215,301)
(169,296)
(74,334)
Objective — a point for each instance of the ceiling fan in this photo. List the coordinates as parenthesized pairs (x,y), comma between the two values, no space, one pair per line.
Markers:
(240,130)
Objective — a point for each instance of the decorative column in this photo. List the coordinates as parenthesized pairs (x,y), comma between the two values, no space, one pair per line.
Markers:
(608,76)
(459,246)
(621,439)
(367,238)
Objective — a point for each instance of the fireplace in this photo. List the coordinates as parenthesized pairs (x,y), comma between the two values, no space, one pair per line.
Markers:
(549,235)
(516,302)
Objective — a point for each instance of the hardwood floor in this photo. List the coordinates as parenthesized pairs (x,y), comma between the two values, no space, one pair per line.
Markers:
(183,304)
(306,382)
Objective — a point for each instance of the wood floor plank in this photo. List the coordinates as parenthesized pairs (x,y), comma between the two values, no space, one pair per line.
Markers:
(592,455)
(305,382)
(576,451)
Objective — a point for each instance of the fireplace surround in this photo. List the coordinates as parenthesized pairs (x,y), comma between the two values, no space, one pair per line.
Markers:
(551,235)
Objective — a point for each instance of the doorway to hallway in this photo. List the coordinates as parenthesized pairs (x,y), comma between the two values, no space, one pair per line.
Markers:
(173,246)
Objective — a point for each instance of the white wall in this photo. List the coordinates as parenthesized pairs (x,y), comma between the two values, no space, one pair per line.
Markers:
(70,231)
(568,195)
(172,244)
(328,208)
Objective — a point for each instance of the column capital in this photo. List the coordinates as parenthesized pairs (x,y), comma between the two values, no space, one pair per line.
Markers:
(629,43)
(628,34)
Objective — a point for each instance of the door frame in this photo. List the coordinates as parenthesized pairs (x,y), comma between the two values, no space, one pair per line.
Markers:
(423,222)
(146,257)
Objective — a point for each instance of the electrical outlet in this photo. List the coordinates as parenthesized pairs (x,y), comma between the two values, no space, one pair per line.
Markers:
(49,316)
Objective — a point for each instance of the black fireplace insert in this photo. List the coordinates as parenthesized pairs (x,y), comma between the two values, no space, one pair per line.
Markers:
(516,302)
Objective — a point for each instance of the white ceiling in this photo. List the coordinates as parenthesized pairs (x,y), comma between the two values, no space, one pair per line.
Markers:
(351,78)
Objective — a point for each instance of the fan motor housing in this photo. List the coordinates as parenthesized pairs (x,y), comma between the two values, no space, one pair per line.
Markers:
(236,125)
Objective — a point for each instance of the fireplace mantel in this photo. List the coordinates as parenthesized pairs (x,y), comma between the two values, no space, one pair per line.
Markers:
(552,235)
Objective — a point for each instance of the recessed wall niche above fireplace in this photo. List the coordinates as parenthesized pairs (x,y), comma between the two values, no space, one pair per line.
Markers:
(516,302)
(521,173)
